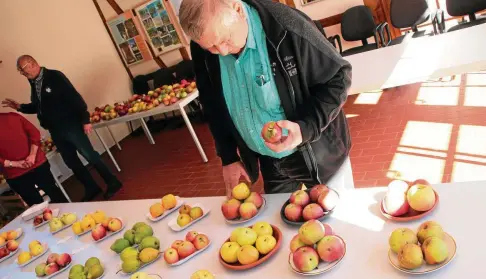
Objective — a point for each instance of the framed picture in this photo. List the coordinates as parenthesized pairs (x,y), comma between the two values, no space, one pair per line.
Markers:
(157,25)
(129,39)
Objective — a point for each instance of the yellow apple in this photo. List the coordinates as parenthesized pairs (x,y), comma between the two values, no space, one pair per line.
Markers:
(24,257)
(156,210)
(262,228)
(202,274)
(2,240)
(196,212)
(37,250)
(77,229)
(247,237)
(183,220)
(421,197)
(169,201)
(11,235)
(241,191)
(229,252)
(235,233)
(410,256)
(435,250)
(265,244)
(87,223)
(247,254)
(429,229)
(99,216)
(400,237)
(33,243)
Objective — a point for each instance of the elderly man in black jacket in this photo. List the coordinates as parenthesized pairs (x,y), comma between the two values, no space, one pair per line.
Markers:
(62,111)
(255,61)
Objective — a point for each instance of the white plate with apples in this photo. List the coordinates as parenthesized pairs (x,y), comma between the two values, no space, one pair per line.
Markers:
(57,272)
(141,266)
(34,210)
(45,250)
(241,220)
(322,267)
(61,262)
(45,220)
(19,232)
(63,227)
(175,226)
(11,253)
(205,242)
(107,231)
(426,268)
(166,213)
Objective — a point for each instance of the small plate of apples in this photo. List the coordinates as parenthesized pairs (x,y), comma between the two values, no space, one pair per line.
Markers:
(114,226)
(185,220)
(45,217)
(182,251)
(57,224)
(316,249)
(314,204)
(248,247)
(428,250)
(168,204)
(10,235)
(243,206)
(10,249)
(36,250)
(55,264)
(403,202)
(34,210)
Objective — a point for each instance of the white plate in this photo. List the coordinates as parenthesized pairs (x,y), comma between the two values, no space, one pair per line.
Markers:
(34,211)
(321,268)
(173,222)
(55,213)
(84,232)
(56,273)
(141,266)
(64,227)
(239,220)
(20,232)
(9,255)
(426,268)
(191,256)
(108,233)
(180,202)
(46,248)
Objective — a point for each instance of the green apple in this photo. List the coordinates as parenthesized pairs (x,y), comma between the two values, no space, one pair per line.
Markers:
(435,250)
(429,229)
(400,237)
(410,256)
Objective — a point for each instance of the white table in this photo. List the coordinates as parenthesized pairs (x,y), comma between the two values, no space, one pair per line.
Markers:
(357,220)
(140,117)
(420,59)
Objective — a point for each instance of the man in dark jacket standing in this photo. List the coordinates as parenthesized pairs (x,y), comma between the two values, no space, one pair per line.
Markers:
(258,61)
(62,111)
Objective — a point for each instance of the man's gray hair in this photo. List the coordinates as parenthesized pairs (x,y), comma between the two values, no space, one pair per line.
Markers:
(195,15)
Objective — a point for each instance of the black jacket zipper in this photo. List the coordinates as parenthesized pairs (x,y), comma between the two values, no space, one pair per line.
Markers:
(294,105)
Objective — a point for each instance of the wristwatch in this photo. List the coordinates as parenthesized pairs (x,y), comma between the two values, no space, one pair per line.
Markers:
(9,164)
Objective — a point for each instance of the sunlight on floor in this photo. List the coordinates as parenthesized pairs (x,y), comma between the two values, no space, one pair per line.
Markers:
(444,82)
(368,98)
(475,97)
(471,140)
(427,135)
(476,79)
(422,152)
(474,159)
(351,115)
(413,167)
(438,96)
(468,172)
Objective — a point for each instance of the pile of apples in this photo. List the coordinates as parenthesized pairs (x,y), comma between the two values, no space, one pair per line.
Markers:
(244,204)
(106,113)
(140,234)
(146,252)
(92,269)
(98,223)
(246,244)
(44,217)
(100,231)
(54,263)
(11,246)
(170,94)
(304,206)
(168,202)
(402,199)
(35,249)
(415,248)
(66,219)
(315,242)
(181,249)
(8,236)
(187,214)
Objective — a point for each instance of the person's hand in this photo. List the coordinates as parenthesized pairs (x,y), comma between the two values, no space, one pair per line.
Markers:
(88,128)
(9,103)
(19,164)
(290,142)
(29,161)
(232,174)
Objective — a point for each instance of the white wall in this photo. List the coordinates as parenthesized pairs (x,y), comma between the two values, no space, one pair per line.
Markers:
(70,38)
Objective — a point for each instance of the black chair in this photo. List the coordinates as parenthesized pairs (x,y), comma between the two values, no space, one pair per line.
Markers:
(463,8)
(334,40)
(357,24)
(408,14)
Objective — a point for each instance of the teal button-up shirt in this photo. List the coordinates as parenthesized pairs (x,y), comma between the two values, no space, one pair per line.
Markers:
(249,88)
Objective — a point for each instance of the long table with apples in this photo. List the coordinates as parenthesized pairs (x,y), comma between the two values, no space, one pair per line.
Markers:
(180,106)
(357,219)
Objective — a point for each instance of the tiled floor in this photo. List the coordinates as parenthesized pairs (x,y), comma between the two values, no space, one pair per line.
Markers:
(435,130)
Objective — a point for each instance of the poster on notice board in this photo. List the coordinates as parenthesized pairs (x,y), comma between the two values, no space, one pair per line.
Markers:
(128,39)
(160,30)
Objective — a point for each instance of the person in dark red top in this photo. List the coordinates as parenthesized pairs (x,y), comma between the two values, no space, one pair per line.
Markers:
(23,163)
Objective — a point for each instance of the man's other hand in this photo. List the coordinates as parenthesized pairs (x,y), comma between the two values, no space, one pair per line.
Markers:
(232,174)
(88,128)
(9,103)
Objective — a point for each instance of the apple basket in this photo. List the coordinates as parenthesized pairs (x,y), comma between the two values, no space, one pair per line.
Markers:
(277,234)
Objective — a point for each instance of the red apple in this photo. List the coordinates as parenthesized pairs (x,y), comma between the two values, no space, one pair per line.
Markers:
(51,268)
(200,241)
(98,232)
(312,211)
(330,248)
(271,132)
(171,256)
(230,209)
(47,216)
(300,197)
(52,258)
(306,259)
(190,236)
(256,199)
(63,260)
(293,212)
(248,210)
(176,244)
(174,100)
(186,249)
(38,220)
(396,204)
(4,252)
(316,191)
(296,243)
(328,200)
(12,245)
(47,210)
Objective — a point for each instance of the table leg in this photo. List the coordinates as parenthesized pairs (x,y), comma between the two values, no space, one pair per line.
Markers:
(193,134)
(107,150)
(147,131)
(59,184)
(113,137)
